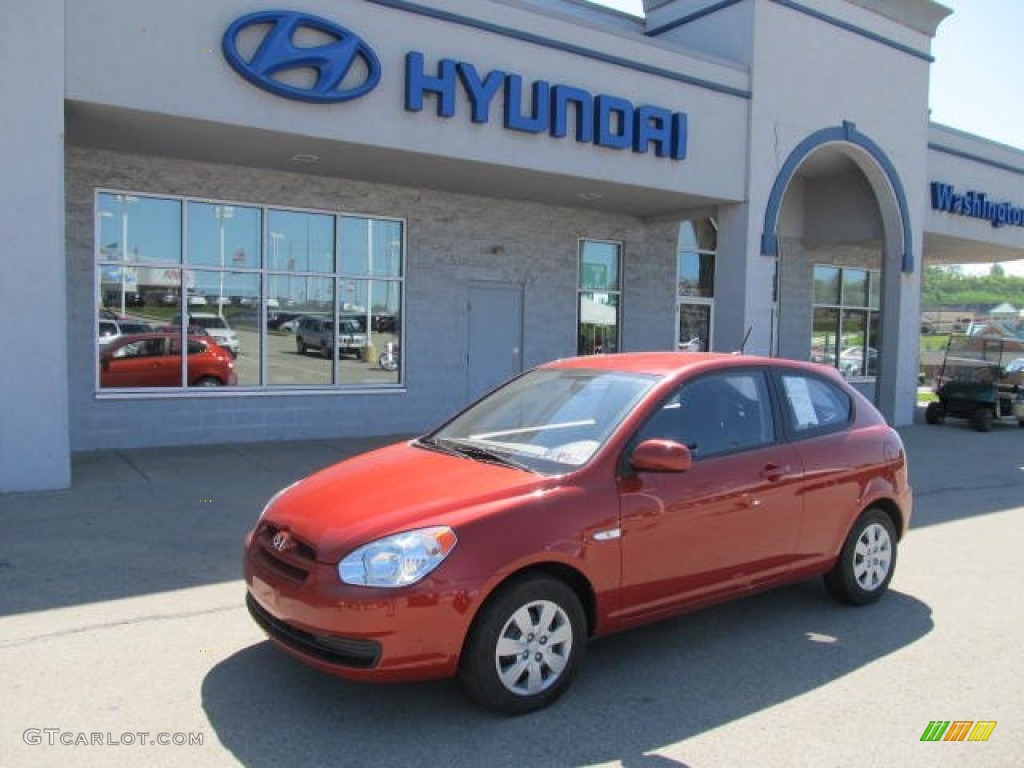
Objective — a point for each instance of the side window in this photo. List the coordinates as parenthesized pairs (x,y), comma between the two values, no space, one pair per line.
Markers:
(813,404)
(716,414)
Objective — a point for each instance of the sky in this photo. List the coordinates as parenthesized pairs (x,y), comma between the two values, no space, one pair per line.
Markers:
(977,79)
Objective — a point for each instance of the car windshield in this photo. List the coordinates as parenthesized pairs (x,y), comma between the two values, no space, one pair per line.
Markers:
(549,421)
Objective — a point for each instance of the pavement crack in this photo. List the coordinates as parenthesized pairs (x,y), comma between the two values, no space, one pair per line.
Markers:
(4,644)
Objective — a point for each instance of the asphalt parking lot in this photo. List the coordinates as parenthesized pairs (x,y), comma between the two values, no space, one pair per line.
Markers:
(122,627)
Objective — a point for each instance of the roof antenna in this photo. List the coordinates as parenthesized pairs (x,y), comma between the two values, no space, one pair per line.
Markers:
(746,336)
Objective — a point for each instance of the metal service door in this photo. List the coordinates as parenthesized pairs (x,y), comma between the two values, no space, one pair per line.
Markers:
(495,336)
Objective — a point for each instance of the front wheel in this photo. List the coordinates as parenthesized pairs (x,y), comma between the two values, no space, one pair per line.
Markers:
(981,419)
(209,381)
(866,562)
(935,413)
(525,647)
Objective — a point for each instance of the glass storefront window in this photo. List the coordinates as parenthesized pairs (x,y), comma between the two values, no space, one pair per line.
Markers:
(855,288)
(846,319)
(598,295)
(286,295)
(695,291)
(827,285)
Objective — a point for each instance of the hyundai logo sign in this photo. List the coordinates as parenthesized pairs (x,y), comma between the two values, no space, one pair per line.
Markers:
(271,48)
(339,76)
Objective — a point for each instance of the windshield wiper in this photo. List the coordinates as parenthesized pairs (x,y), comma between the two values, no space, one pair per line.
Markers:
(479,452)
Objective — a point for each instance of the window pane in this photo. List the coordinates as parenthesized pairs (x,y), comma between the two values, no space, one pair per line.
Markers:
(139,229)
(299,348)
(233,323)
(855,288)
(852,360)
(826,285)
(301,242)
(696,274)
(386,327)
(370,247)
(694,328)
(825,336)
(698,235)
(599,266)
(599,324)
(224,235)
(875,296)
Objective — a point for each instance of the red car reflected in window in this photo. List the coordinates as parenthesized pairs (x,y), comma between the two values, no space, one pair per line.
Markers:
(155,360)
(582,498)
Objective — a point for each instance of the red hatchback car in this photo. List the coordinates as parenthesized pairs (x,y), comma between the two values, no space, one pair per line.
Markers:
(584,497)
(154,360)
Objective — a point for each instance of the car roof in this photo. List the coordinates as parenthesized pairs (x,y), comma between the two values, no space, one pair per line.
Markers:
(673,363)
(129,338)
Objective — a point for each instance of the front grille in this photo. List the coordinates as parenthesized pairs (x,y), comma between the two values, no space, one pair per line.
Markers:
(294,562)
(344,651)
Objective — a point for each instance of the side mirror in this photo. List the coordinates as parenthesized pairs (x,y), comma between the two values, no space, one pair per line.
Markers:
(661,456)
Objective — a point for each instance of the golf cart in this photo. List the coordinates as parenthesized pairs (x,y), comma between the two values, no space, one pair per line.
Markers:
(975,384)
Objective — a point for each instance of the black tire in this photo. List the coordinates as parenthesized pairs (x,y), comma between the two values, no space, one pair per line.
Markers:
(867,561)
(935,413)
(981,419)
(300,348)
(325,352)
(209,381)
(514,684)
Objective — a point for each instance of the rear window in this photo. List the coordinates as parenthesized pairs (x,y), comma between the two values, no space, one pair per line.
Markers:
(814,404)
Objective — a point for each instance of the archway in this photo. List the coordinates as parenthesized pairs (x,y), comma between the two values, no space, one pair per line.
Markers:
(837,223)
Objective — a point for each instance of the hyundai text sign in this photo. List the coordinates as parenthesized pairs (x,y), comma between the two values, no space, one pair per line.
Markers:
(276,50)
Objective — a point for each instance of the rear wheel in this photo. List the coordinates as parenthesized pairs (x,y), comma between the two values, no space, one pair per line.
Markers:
(299,346)
(981,419)
(525,647)
(866,562)
(935,413)
(209,381)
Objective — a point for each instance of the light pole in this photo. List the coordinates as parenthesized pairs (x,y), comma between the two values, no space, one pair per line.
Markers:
(124,200)
(223,213)
(275,260)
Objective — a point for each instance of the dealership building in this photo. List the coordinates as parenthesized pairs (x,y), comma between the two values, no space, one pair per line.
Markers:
(387,207)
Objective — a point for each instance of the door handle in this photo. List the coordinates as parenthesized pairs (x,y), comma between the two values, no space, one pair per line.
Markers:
(774,471)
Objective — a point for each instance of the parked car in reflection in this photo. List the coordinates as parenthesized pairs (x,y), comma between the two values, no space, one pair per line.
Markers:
(854,362)
(155,360)
(110,329)
(316,332)
(587,496)
(217,327)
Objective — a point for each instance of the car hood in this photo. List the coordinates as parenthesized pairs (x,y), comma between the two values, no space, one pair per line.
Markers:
(390,490)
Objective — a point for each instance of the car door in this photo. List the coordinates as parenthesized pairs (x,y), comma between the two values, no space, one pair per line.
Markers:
(729,523)
(141,363)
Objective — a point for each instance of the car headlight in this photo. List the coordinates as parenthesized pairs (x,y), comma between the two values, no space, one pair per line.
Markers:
(399,560)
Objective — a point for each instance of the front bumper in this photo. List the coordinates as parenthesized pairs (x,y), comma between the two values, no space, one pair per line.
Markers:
(361,633)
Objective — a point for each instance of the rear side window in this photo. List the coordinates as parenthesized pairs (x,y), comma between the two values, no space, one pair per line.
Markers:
(814,405)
